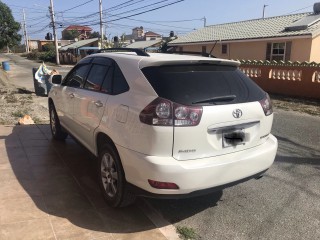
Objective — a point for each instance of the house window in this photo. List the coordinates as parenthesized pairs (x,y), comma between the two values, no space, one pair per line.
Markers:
(278,51)
(204,49)
(224,48)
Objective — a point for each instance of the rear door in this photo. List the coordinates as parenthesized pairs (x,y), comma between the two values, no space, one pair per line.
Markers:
(232,117)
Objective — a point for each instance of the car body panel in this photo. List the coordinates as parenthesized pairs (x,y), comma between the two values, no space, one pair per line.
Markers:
(206,139)
(193,175)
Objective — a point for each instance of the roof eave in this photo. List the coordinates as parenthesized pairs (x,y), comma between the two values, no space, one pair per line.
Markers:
(306,35)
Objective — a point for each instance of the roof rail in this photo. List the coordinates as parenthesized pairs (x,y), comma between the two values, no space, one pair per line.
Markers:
(203,54)
(139,52)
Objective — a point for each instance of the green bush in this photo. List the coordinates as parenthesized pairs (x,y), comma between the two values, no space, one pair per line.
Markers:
(48,56)
(49,47)
(34,55)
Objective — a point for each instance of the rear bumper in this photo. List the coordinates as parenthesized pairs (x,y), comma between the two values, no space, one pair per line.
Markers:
(140,192)
(198,175)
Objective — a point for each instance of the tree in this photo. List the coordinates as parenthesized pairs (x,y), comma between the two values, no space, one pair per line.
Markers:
(70,35)
(8,28)
(97,35)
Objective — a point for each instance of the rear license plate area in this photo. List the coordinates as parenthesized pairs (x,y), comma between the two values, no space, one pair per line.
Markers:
(233,137)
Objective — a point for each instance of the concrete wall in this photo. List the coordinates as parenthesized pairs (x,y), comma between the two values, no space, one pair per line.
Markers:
(315,50)
(256,50)
(301,80)
(301,50)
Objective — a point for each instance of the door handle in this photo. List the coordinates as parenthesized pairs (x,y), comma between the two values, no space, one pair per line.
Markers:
(71,95)
(98,104)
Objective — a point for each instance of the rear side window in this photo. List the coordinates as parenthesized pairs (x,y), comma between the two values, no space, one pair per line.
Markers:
(120,84)
(96,76)
(188,84)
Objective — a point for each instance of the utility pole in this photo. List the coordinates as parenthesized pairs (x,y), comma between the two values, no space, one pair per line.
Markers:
(204,21)
(264,8)
(54,32)
(101,25)
(25,34)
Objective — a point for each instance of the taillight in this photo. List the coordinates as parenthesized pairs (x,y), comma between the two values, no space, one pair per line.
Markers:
(266,105)
(162,112)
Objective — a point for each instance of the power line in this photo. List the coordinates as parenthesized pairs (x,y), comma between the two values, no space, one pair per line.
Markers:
(151,22)
(131,10)
(169,4)
(106,10)
(95,21)
(299,9)
(76,6)
(121,4)
(186,20)
(120,7)
(21,7)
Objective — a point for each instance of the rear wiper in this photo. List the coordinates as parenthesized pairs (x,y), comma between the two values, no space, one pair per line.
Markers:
(213,100)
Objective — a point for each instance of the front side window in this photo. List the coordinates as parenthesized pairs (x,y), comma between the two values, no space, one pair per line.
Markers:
(77,76)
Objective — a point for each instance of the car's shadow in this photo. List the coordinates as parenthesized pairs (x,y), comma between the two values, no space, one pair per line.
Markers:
(60,179)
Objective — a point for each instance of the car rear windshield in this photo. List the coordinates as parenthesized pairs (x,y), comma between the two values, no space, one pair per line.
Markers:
(191,84)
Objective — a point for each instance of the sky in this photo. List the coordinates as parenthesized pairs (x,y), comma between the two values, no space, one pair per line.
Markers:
(120,16)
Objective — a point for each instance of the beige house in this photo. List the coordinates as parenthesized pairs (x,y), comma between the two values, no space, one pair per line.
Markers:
(38,44)
(149,36)
(293,37)
(79,32)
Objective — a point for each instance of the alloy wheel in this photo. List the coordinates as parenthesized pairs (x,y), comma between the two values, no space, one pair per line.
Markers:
(53,122)
(109,175)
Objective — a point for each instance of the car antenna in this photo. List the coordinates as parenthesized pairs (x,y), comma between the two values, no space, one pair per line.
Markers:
(213,47)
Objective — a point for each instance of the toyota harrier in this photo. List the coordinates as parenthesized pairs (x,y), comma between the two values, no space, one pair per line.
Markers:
(164,125)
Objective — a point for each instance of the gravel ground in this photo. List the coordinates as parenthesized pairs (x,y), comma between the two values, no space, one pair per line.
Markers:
(16,102)
(307,106)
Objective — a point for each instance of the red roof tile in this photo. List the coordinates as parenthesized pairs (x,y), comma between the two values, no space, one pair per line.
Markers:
(149,33)
(78,28)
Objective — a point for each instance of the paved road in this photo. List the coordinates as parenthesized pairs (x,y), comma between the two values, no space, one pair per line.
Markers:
(21,70)
(285,204)
(20,73)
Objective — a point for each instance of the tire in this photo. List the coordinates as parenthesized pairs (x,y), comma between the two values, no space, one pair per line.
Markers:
(56,129)
(112,178)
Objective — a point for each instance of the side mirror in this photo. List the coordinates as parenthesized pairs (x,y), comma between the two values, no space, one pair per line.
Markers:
(56,79)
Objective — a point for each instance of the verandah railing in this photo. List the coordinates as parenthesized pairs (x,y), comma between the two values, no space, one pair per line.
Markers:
(286,78)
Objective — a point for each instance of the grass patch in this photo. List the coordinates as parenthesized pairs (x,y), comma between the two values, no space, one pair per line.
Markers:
(11,98)
(186,233)
(37,120)
(18,113)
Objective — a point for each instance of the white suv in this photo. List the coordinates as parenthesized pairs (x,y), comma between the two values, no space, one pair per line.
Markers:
(164,125)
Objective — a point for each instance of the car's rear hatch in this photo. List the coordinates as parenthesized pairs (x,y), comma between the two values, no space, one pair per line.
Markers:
(232,117)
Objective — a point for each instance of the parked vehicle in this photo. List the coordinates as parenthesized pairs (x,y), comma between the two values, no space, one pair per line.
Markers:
(164,125)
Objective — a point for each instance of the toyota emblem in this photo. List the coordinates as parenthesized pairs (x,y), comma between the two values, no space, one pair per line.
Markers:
(237,113)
